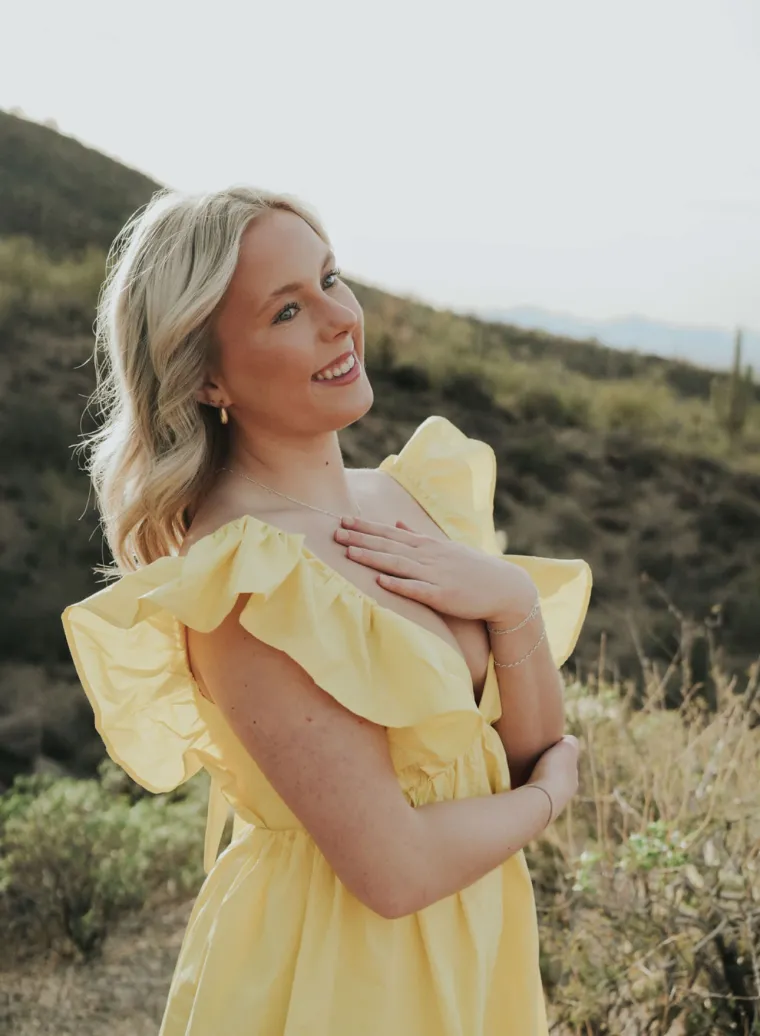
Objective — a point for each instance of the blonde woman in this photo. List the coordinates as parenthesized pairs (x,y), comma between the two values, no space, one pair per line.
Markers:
(370,683)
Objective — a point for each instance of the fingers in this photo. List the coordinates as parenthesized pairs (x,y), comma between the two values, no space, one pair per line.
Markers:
(369,542)
(415,589)
(395,564)
(398,532)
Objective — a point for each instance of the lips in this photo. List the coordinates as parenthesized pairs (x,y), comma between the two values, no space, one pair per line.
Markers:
(345,374)
(338,367)
(334,363)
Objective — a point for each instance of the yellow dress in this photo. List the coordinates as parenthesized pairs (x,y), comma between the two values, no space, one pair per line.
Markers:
(275,945)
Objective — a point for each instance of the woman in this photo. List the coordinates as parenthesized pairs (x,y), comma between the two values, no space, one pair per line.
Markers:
(372,686)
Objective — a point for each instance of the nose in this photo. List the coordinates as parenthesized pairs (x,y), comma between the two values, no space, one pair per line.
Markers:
(341,319)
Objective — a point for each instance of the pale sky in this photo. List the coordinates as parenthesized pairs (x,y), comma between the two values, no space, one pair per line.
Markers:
(595,156)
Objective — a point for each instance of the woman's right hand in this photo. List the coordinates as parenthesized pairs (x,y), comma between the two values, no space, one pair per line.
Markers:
(557,772)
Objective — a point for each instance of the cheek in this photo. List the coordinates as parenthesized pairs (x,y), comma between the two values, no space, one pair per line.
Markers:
(275,370)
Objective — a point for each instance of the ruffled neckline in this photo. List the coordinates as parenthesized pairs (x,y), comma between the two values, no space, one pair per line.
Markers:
(297,540)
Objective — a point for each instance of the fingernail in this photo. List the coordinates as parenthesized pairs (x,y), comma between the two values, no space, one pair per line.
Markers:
(348,522)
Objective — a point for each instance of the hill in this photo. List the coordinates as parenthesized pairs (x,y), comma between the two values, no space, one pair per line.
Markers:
(601,453)
(59,193)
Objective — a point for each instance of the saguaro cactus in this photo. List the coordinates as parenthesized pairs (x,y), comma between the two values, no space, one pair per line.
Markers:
(733,396)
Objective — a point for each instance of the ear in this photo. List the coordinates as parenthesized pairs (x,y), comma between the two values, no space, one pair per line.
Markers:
(212,393)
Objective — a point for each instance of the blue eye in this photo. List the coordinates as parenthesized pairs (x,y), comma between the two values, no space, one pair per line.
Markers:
(294,305)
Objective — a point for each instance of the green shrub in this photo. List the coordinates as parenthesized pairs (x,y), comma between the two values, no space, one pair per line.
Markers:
(555,406)
(75,855)
(467,388)
(641,409)
(37,290)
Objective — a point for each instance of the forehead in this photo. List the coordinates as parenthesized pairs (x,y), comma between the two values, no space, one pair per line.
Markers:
(276,247)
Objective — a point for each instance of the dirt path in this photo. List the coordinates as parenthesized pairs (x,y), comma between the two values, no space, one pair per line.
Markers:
(122,993)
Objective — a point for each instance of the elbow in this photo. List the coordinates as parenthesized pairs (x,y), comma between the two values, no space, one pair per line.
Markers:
(408,892)
(389,891)
(389,871)
(389,899)
(393,907)
(397,905)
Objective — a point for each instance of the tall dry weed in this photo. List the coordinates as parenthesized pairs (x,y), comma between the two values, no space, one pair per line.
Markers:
(649,886)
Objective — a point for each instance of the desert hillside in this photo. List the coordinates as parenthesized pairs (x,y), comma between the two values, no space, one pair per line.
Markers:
(646,888)
(613,456)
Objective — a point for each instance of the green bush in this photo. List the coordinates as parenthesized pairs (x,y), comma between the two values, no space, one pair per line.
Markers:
(642,409)
(38,291)
(75,855)
(555,406)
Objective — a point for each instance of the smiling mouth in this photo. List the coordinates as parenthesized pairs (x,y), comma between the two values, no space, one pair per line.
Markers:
(337,370)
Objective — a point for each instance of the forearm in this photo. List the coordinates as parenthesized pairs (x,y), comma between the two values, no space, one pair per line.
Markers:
(531,691)
(452,844)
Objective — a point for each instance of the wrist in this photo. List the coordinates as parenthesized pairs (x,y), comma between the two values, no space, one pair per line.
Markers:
(519,601)
(544,788)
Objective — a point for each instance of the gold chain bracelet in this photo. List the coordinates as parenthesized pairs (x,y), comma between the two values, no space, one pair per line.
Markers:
(511,665)
(532,614)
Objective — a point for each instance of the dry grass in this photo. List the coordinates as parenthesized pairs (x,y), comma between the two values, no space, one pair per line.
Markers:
(648,888)
(120,993)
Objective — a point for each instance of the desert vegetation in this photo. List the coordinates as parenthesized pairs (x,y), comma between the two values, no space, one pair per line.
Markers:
(648,889)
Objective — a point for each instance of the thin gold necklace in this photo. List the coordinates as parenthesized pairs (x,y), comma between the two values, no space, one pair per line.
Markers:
(301,503)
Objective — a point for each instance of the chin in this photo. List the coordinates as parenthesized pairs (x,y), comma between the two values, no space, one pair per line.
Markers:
(360,405)
(350,404)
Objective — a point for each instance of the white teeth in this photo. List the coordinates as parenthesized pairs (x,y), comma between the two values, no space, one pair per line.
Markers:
(336,372)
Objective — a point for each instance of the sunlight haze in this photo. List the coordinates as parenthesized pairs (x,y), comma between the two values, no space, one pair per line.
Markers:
(597,158)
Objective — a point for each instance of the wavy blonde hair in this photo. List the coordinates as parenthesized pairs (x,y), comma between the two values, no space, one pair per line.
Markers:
(153,456)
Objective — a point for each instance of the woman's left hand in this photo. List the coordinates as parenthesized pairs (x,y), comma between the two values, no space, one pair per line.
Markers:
(449,577)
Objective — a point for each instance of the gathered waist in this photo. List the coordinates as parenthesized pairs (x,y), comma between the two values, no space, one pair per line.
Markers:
(216,820)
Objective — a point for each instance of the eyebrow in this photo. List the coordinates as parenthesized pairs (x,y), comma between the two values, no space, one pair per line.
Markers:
(288,289)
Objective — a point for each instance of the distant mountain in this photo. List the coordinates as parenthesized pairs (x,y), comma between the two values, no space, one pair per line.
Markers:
(704,346)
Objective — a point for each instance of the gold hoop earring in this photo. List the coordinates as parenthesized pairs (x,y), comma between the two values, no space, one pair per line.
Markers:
(223,415)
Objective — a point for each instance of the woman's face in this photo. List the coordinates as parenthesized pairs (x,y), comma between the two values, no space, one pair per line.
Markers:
(279,352)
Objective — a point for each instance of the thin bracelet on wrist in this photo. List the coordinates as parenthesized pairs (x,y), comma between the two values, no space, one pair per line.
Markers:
(531,614)
(511,665)
(551,801)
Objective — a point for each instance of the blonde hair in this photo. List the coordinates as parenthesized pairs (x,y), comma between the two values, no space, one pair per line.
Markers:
(154,453)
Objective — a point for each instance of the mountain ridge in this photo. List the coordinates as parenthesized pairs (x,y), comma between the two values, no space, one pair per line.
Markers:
(708,346)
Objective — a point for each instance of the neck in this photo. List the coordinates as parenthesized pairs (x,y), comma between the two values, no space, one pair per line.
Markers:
(310,469)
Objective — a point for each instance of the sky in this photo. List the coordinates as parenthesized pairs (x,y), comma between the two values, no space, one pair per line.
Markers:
(599,157)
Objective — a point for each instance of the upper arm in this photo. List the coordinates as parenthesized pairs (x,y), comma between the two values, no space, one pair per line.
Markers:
(330,766)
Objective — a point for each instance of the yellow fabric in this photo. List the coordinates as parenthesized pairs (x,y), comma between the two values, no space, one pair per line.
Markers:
(275,945)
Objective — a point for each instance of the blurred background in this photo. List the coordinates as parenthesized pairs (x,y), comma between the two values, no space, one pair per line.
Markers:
(551,216)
